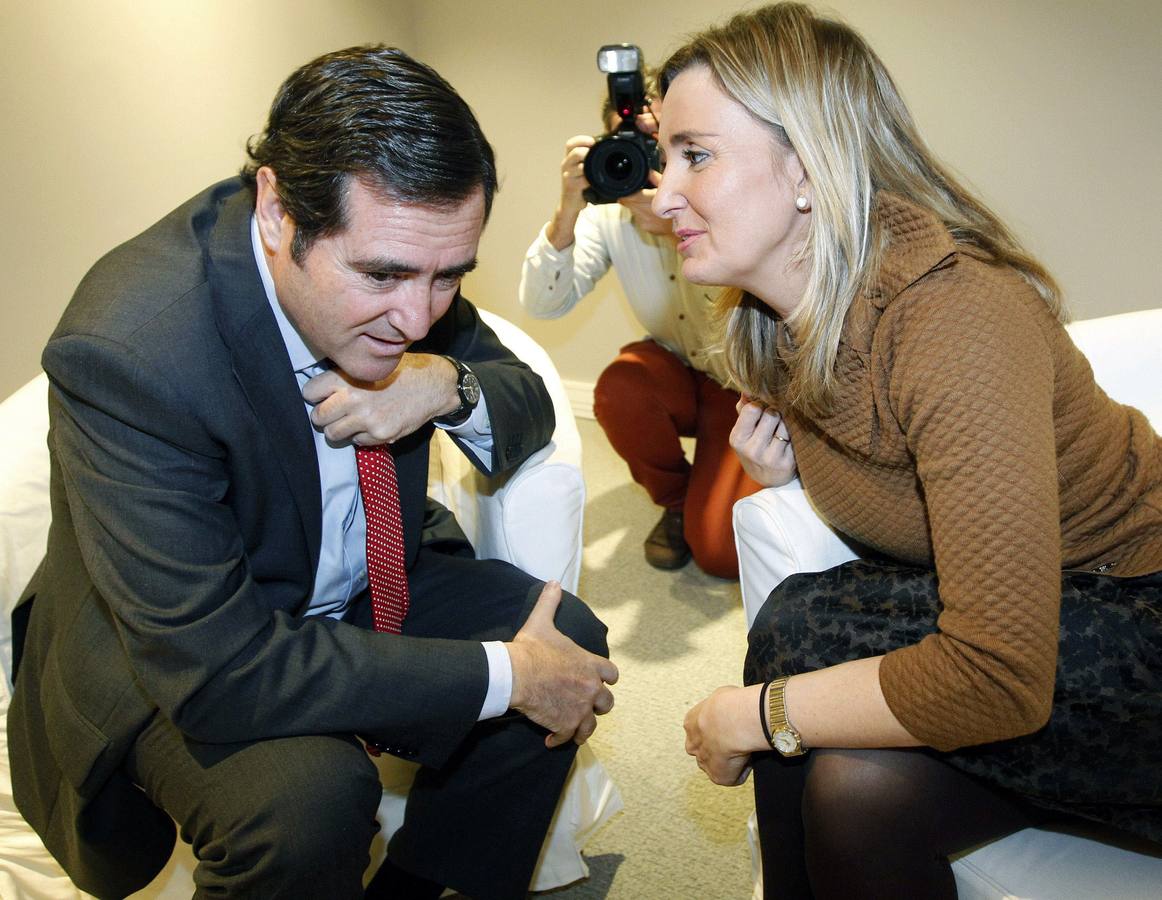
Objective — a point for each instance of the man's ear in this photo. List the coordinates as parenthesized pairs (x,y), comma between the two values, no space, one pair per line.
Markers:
(268,210)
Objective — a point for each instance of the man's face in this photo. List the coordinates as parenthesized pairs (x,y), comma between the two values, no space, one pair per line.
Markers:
(362,296)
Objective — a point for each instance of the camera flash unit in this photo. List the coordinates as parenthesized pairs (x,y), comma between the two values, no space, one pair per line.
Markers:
(614,58)
(619,163)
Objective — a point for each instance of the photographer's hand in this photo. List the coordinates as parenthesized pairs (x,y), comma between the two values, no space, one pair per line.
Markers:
(647,120)
(573,183)
(640,206)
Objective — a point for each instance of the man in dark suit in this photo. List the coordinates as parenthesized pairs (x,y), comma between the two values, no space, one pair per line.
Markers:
(199,639)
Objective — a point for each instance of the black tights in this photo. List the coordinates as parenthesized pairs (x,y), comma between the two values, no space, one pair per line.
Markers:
(872,823)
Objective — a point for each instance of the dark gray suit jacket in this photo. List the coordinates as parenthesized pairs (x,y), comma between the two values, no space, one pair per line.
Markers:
(185,537)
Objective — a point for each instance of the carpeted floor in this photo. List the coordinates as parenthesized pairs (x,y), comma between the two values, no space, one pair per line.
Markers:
(675,637)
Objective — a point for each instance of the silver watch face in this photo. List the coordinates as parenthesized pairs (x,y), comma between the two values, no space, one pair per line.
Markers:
(470,389)
(785,742)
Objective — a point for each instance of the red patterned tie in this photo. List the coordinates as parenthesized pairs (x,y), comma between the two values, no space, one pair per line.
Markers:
(386,575)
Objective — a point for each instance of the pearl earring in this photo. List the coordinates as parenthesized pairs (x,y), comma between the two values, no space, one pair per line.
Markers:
(801,203)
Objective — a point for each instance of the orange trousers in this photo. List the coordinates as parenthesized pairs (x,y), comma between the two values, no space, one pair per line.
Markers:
(645,401)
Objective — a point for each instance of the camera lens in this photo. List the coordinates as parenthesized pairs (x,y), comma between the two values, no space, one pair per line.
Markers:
(616,166)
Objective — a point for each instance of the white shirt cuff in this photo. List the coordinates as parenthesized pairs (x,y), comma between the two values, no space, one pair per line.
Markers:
(499,681)
(476,432)
(544,247)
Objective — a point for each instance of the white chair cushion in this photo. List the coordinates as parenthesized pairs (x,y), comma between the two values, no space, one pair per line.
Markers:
(531,517)
(24,507)
(1050,865)
(1125,352)
(566,437)
(777,533)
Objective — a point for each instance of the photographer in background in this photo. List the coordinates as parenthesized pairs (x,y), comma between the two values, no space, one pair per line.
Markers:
(659,389)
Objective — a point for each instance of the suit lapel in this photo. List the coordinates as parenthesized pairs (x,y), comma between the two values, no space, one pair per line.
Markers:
(261,364)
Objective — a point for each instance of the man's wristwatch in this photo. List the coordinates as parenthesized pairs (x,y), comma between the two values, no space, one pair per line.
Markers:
(468,387)
(780,732)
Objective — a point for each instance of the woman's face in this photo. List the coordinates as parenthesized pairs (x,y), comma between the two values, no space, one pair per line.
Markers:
(729,189)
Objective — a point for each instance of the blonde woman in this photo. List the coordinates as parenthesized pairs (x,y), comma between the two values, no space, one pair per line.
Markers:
(899,350)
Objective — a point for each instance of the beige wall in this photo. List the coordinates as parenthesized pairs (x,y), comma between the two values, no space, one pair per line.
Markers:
(112,112)
(1049,107)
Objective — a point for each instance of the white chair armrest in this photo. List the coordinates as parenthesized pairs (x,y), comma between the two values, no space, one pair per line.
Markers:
(1125,352)
(566,437)
(531,517)
(778,533)
(24,504)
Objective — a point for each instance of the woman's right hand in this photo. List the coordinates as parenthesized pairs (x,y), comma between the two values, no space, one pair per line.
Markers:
(723,730)
(763,443)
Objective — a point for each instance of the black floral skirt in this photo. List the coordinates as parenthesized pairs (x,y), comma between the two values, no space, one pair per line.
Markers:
(1099,756)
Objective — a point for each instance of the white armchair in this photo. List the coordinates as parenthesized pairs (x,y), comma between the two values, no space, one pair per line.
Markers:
(778,533)
(531,517)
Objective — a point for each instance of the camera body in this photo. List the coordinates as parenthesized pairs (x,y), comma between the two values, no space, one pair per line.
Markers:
(619,163)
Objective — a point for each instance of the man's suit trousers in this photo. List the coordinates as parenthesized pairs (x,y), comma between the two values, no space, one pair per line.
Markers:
(294,817)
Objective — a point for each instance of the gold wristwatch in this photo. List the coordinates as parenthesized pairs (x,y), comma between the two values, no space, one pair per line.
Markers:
(781,733)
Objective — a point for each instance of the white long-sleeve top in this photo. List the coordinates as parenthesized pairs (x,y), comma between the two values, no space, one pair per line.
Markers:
(674,312)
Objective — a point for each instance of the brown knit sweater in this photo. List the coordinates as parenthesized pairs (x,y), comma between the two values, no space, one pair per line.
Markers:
(967,433)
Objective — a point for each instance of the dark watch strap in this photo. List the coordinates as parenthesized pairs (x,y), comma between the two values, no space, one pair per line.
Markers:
(468,387)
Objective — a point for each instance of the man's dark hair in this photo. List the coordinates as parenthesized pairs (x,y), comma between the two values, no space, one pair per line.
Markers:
(372,113)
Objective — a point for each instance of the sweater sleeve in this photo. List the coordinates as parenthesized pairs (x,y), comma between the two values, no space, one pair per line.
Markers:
(971,384)
(553,281)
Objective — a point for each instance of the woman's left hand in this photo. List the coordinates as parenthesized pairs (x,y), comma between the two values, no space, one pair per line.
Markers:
(763,444)
(723,730)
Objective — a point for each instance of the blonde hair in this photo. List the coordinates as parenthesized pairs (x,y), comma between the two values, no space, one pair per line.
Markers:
(825,94)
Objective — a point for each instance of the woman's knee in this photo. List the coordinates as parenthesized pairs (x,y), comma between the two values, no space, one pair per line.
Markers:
(846,779)
(870,826)
(847,789)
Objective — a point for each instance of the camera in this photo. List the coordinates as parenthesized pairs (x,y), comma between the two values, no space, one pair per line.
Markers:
(619,163)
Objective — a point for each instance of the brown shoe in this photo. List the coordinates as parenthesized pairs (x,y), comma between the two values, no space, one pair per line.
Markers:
(666,548)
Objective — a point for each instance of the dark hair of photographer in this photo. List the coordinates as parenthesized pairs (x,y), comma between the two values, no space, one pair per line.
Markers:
(374,112)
